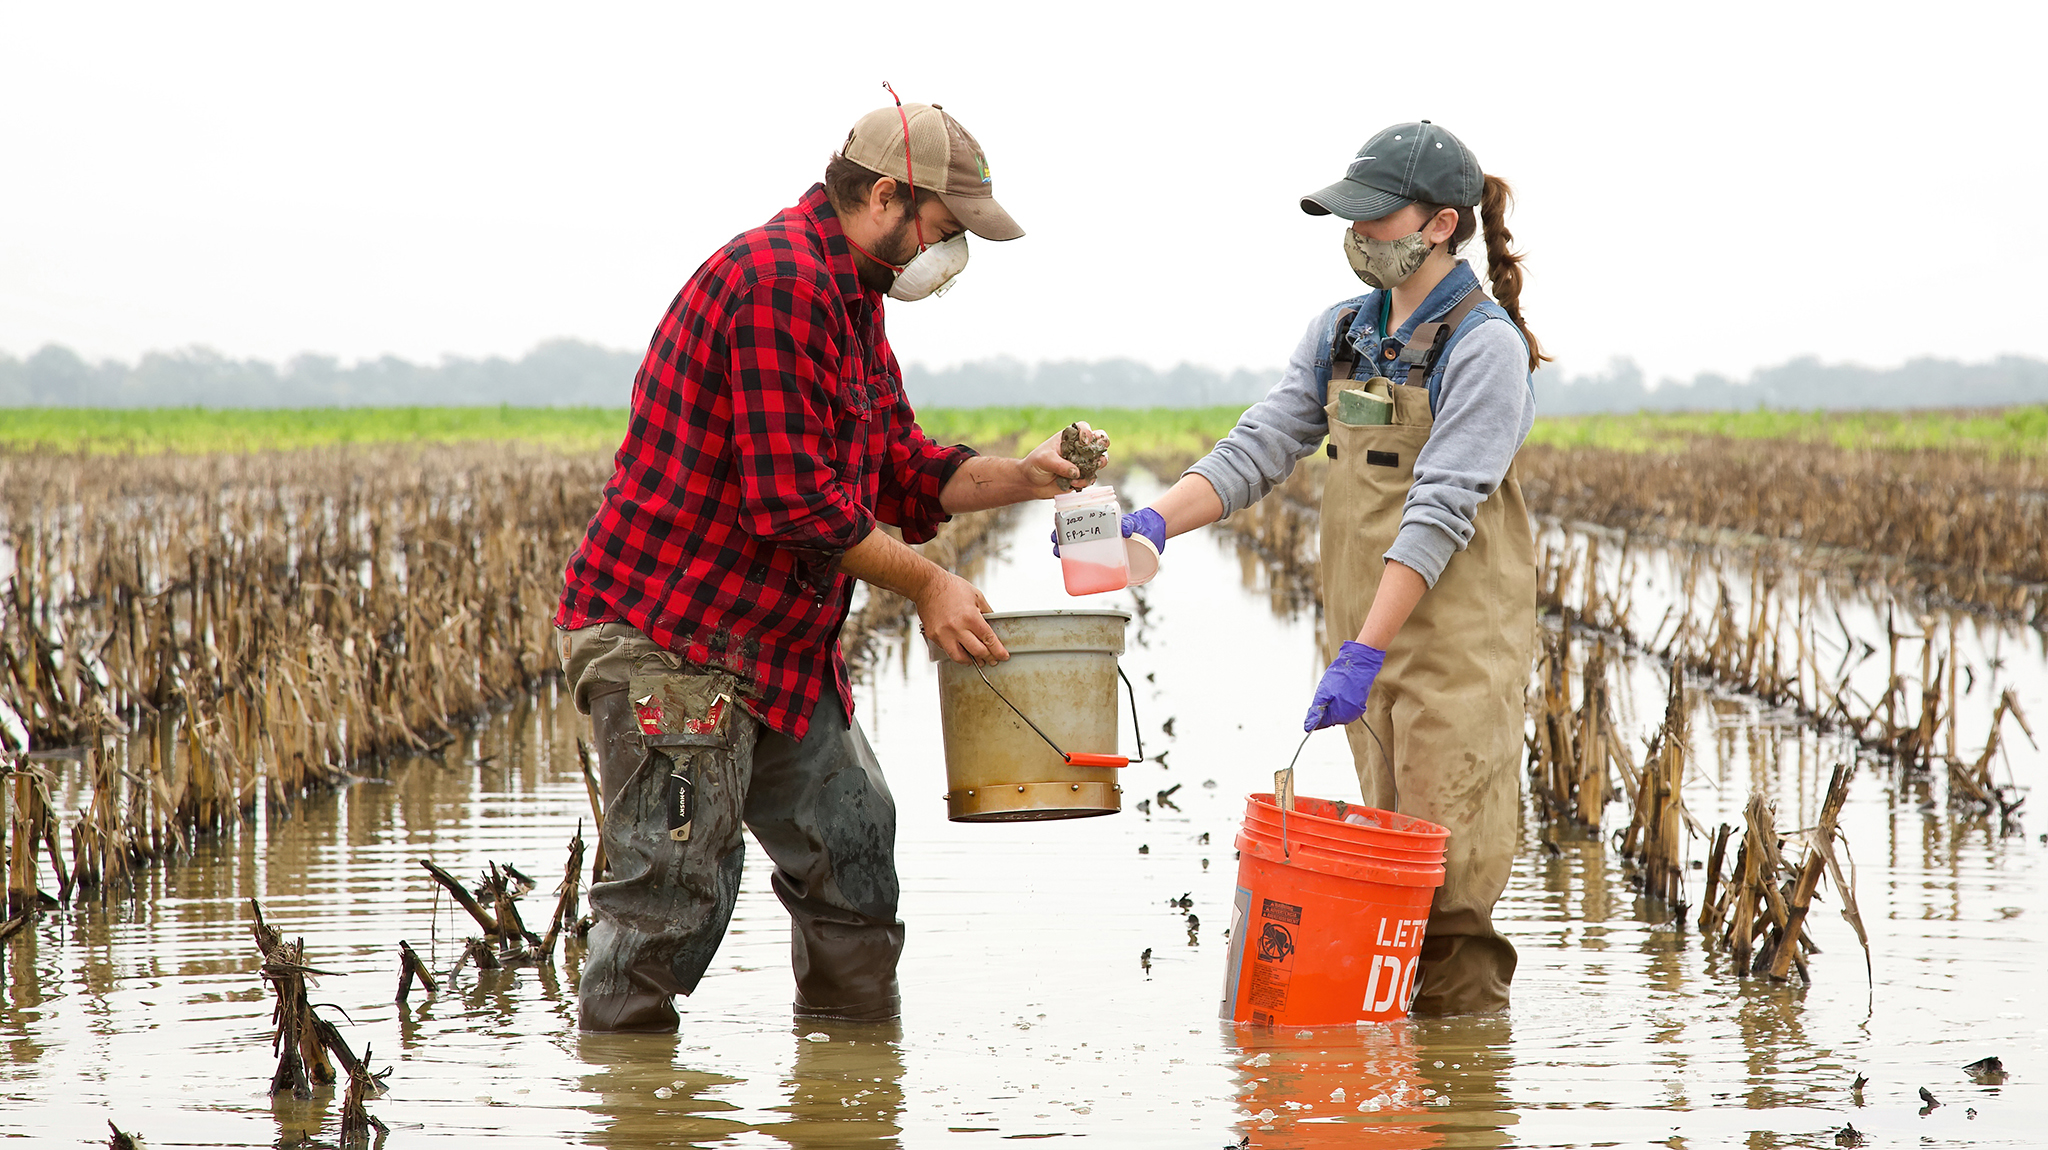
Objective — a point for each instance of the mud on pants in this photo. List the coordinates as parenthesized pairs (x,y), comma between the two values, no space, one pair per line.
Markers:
(1447,709)
(685,769)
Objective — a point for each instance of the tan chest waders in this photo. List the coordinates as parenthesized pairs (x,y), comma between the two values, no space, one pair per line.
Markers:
(1448,706)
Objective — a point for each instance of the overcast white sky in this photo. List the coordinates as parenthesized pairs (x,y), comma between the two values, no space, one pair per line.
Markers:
(1702,187)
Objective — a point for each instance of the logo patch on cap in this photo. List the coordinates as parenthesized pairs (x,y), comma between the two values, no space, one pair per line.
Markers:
(981,162)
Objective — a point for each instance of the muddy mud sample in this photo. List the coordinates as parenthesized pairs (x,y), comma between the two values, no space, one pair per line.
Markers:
(1084,449)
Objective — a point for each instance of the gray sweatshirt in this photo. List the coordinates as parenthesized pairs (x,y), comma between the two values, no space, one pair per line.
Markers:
(1484,410)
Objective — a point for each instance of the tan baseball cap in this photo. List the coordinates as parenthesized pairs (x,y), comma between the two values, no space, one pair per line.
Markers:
(943,158)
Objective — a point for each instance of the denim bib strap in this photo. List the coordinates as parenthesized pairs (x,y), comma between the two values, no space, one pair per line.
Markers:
(1343,357)
(1427,344)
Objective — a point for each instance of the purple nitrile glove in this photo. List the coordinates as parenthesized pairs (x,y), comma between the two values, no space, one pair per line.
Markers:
(1144,521)
(1147,522)
(1340,697)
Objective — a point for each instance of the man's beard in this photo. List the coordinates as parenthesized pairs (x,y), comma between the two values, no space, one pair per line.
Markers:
(899,247)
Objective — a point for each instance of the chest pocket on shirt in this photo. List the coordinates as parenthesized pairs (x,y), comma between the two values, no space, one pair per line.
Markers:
(855,399)
(853,421)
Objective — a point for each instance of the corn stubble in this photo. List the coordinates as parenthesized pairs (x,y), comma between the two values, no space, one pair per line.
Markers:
(214,630)
(1773,630)
(1573,746)
(1757,911)
(1658,820)
(1961,526)
(201,633)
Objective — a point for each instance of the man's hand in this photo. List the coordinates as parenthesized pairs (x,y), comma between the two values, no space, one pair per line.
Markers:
(949,612)
(986,481)
(1045,467)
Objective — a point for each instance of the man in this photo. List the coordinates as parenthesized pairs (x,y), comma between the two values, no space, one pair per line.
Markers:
(700,625)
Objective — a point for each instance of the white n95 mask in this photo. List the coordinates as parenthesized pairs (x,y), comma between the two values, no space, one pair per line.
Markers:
(932,271)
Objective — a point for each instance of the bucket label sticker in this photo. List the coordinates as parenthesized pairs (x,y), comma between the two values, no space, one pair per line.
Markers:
(1089,525)
(1275,947)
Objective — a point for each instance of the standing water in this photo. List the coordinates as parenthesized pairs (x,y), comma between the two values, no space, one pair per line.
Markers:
(1061,978)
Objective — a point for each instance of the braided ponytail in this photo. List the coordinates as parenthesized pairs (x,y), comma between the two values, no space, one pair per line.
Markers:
(1504,267)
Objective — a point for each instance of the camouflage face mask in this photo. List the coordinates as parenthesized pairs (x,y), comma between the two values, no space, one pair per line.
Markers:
(1385,263)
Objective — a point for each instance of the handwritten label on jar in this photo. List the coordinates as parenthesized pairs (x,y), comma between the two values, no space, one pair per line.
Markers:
(1089,525)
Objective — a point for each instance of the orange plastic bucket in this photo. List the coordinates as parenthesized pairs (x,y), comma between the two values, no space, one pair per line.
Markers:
(1329,913)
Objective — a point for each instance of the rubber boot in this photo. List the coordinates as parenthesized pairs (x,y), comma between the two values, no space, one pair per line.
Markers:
(1463,973)
(822,810)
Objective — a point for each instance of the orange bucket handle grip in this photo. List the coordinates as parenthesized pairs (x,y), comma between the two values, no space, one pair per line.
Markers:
(1084,759)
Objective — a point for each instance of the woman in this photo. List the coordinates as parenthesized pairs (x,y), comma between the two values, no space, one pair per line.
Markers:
(1429,576)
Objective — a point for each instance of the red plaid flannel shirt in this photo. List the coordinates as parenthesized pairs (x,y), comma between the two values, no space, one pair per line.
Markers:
(769,433)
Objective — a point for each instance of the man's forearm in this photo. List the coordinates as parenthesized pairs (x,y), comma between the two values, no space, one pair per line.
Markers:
(984,482)
(889,563)
(950,612)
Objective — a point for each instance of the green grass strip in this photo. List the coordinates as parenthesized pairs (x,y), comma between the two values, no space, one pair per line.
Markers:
(197,430)
(1137,433)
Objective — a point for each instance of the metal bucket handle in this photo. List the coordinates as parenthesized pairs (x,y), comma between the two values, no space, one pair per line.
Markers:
(1283,781)
(1081,758)
(1283,794)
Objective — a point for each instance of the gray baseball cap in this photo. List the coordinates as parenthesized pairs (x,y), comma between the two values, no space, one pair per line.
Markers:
(1397,167)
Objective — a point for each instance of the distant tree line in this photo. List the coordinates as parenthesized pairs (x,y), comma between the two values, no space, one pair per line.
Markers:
(555,374)
(1806,384)
(571,373)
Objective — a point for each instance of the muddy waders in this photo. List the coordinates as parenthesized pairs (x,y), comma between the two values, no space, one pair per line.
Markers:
(684,768)
(1448,706)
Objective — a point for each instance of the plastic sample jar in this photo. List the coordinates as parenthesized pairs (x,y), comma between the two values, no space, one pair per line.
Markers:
(1094,555)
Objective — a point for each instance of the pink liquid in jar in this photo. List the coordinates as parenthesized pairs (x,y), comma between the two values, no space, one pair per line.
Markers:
(1093,578)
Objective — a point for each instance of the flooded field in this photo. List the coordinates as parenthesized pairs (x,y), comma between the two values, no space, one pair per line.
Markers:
(1051,992)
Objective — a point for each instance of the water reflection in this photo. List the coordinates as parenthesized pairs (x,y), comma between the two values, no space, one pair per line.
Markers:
(846,1089)
(1404,1085)
(311,1122)
(642,1097)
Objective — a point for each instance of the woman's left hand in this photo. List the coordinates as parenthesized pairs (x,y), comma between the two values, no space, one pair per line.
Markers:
(1340,697)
